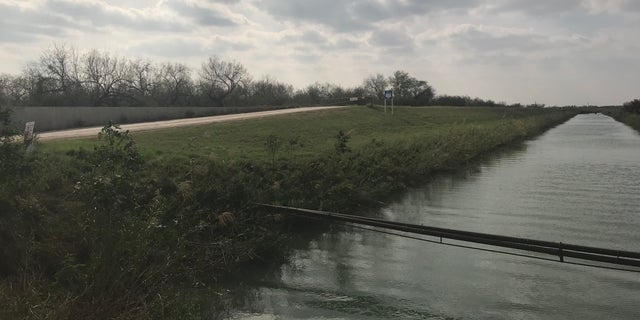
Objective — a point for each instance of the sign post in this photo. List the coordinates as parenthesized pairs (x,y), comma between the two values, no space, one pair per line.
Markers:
(388,95)
(28,130)
(29,136)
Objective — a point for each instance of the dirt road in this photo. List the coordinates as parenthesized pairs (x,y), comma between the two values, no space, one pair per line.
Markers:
(147,126)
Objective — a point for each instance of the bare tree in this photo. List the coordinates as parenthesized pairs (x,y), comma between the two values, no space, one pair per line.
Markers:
(60,65)
(37,84)
(140,80)
(174,84)
(269,92)
(105,77)
(219,78)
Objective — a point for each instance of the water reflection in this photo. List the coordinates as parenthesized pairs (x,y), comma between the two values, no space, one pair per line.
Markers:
(578,183)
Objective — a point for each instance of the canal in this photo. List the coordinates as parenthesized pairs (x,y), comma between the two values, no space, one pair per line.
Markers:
(578,183)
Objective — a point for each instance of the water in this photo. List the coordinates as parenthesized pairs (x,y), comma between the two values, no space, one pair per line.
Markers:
(578,183)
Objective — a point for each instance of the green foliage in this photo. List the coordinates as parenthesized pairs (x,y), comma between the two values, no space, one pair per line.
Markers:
(109,235)
(245,140)
(464,101)
(408,90)
(112,173)
(18,208)
(341,143)
(632,106)
(7,133)
(5,118)
(273,145)
(295,143)
(120,150)
(629,114)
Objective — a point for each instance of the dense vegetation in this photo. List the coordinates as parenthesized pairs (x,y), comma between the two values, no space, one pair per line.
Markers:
(62,76)
(124,229)
(629,114)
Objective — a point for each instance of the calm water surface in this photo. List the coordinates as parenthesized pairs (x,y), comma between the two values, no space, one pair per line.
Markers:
(578,183)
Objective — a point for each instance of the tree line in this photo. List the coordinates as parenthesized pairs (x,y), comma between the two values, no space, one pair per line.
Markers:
(62,76)
(632,106)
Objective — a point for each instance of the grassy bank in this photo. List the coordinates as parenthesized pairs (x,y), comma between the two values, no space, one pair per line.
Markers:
(111,228)
(628,113)
(630,119)
(306,135)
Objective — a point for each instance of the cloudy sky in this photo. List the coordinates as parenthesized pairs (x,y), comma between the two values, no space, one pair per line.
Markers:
(557,52)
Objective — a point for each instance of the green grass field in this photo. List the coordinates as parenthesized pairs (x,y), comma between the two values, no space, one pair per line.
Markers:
(302,134)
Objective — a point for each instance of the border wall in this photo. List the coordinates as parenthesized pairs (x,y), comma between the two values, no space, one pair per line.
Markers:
(59,118)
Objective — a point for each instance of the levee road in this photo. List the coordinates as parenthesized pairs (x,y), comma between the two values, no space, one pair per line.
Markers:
(156,125)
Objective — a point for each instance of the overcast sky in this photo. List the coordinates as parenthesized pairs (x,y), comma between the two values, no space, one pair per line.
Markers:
(557,52)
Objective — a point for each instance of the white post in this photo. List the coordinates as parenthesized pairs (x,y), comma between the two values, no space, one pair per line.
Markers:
(28,130)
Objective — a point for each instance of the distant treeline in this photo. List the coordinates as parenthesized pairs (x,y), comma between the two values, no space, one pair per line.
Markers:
(632,106)
(62,76)
(629,114)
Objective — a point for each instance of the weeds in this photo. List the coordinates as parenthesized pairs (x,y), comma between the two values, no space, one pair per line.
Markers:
(273,144)
(102,233)
(341,143)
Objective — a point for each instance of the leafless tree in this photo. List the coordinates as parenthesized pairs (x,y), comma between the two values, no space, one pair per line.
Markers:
(105,77)
(60,65)
(269,92)
(140,80)
(174,84)
(219,78)
(38,85)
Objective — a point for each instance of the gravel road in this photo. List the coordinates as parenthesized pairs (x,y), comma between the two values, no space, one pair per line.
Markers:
(147,126)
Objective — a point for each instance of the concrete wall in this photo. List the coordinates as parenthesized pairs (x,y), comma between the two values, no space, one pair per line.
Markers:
(58,118)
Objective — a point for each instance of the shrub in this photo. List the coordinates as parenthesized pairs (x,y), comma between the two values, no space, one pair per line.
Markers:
(17,205)
(341,143)
(632,106)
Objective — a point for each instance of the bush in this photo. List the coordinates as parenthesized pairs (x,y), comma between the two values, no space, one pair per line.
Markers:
(16,172)
(632,106)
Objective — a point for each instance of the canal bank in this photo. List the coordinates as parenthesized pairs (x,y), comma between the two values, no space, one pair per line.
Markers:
(176,215)
(576,183)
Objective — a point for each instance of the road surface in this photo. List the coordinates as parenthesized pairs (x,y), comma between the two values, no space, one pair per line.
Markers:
(156,125)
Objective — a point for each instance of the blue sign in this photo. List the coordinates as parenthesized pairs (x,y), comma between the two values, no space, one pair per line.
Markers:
(388,94)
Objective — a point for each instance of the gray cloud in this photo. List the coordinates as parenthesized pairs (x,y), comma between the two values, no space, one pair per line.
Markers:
(304,41)
(308,39)
(201,15)
(224,45)
(541,7)
(420,7)
(501,47)
(171,49)
(307,57)
(347,44)
(12,36)
(98,14)
(313,37)
(632,5)
(332,13)
(315,41)
(476,38)
(359,15)
(391,39)
(26,25)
